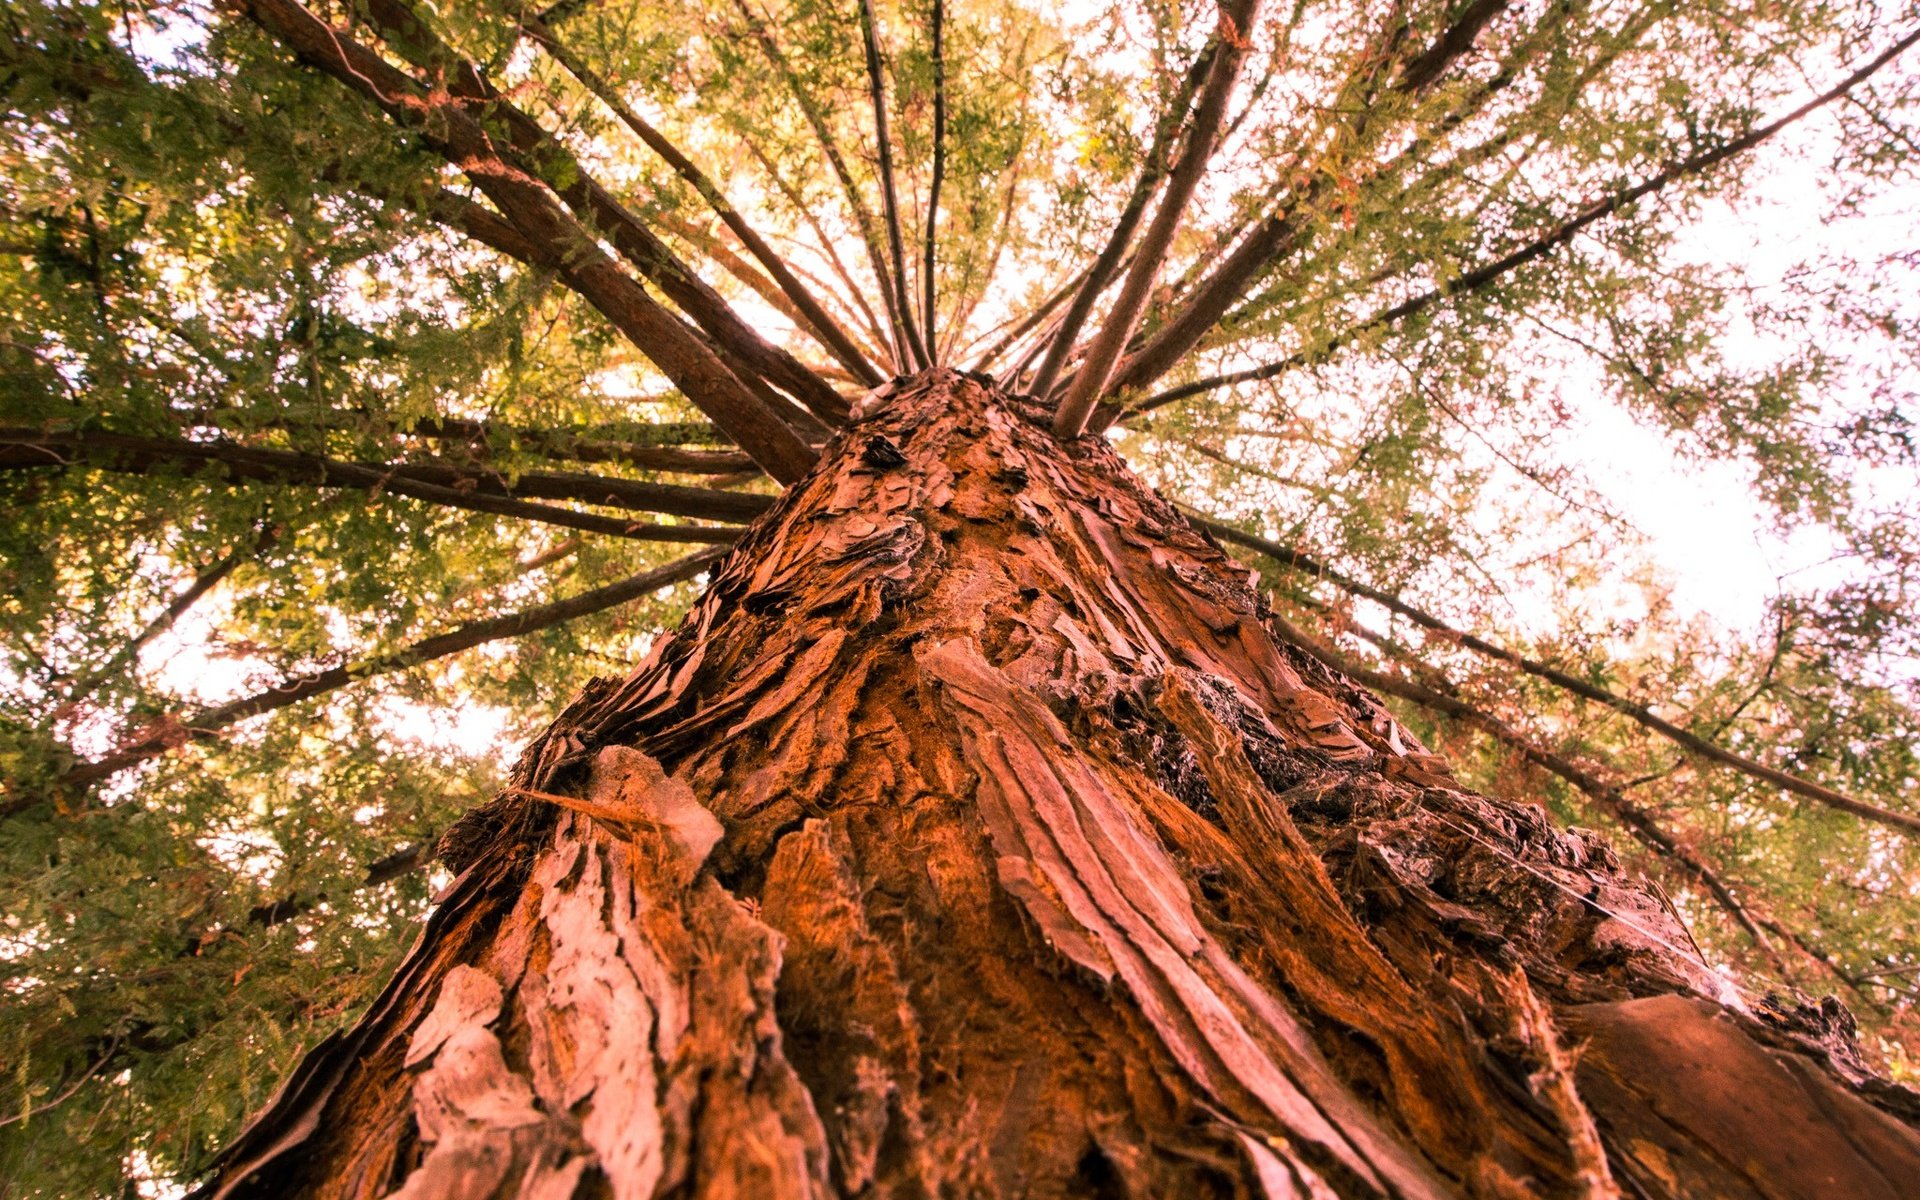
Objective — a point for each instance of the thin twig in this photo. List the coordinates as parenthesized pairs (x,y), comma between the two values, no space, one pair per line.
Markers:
(63,1097)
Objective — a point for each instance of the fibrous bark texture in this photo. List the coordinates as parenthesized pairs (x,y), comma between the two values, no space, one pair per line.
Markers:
(976,836)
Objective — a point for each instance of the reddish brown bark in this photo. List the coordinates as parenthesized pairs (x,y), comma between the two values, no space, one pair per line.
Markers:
(976,836)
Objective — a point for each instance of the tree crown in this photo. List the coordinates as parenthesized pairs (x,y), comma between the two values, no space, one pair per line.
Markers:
(376,373)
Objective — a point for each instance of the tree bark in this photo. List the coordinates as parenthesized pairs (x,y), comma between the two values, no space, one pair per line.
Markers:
(975,835)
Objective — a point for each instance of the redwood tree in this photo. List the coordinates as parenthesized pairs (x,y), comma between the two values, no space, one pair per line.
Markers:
(983,827)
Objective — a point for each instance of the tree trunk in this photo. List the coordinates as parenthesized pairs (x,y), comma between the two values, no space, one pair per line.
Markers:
(977,836)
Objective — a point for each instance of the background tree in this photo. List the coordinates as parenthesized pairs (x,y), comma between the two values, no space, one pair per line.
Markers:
(375,376)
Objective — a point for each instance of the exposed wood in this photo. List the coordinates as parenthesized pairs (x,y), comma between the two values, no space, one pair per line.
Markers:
(976,834)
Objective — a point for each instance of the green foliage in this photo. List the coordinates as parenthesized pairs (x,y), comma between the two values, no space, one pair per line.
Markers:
(203,240)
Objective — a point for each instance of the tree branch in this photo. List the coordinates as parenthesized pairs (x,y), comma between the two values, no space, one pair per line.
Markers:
(562,243)
(1025,325)
(481,224)
(855,295)
(264,535)
(1639,713)
(652,445)
(539,153)
(812,314)
(444,483)
(1453,42)
(1477,278)
(877,86)
(385,869)
(939,169)
(304,687)
(863,219)
(1107,263)
(586,447)
(1090,381)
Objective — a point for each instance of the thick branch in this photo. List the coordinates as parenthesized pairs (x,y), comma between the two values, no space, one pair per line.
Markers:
(812,313)
(817,121)
(685,447)
(1107,263)
(481,224)
(883,139)
(1639,713)
(939,170)
(1281,232)
(1453,42)
(450,484)
(544,156)
(587,447)
(1090,381)
(563,244)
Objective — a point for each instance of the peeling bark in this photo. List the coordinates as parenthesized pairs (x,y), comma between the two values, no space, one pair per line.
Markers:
(975,836)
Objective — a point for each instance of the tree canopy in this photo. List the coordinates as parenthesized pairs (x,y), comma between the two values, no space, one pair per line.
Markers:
(373,375)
